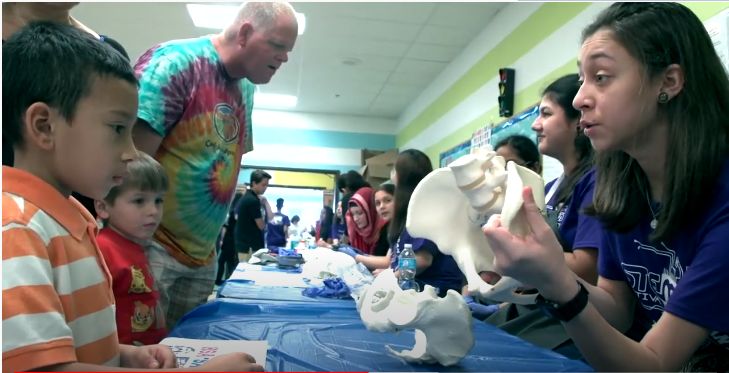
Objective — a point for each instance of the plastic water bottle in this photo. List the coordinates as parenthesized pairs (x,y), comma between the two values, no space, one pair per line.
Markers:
(407,266)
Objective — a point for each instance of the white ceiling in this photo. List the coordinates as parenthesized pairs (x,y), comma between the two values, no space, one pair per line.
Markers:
(400,47)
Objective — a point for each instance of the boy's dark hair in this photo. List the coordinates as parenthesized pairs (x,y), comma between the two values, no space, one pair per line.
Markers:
(295,219)
(115,44)
(55,64)
(258,175)
(279,203)
(145,174)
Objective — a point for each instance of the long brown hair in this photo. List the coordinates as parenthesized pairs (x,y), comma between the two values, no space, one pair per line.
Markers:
(562,92)
(658,35)
(411,166)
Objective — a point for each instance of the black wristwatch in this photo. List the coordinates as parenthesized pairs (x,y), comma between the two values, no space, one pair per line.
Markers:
(567,311)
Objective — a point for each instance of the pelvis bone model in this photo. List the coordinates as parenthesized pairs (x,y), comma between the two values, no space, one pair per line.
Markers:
(443,326)
(450,205)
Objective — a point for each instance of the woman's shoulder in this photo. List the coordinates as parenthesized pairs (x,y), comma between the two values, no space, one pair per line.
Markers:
(586,183)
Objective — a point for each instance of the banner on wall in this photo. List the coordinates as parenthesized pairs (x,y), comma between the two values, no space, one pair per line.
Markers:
(481,138)
(454,153)
(520,124)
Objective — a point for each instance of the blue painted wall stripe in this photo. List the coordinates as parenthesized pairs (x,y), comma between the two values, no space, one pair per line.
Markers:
(324,139)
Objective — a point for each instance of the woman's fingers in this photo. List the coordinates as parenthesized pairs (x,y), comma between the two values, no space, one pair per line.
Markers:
(537,224)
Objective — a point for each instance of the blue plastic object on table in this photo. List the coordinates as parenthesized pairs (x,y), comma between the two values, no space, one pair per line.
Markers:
(306,338)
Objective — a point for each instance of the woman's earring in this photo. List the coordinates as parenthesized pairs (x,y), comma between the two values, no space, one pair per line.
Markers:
(662,98)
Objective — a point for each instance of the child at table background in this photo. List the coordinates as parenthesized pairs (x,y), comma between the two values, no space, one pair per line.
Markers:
(131,213)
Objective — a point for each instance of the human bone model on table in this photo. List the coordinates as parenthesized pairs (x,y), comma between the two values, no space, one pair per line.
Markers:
(448,207)
(443,326)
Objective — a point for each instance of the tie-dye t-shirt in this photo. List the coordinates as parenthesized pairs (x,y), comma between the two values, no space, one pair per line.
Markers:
(204,118)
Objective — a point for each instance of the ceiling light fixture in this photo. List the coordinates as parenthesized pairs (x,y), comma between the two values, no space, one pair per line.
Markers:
(219,16)
(274,101)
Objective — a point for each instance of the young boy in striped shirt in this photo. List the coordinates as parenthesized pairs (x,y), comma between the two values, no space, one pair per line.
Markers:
(69,104)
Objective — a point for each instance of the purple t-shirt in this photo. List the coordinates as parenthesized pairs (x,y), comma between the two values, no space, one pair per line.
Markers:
(443,272)
(275,236)
(576,230)
(686,276)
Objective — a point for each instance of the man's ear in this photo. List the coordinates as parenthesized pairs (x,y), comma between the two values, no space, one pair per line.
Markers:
(101,208)
(38,125)
(673,80)
(244,33)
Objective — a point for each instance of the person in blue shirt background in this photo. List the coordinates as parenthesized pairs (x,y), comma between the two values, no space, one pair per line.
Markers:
(277,228)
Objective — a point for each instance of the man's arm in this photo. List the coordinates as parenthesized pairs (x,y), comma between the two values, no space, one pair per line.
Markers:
(145,138)
(267,206)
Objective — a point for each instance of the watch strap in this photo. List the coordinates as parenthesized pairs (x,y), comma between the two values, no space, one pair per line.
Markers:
(567,311)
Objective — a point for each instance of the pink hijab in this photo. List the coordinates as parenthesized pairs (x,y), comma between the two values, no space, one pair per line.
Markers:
(364,239)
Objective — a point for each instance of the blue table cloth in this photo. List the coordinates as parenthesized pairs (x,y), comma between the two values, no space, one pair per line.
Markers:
(242,289)
(247,285)
(319,337)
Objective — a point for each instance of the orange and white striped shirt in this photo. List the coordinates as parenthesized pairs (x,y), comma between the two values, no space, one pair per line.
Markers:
(58,306)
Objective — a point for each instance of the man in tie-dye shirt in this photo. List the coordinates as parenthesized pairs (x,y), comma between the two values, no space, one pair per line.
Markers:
(195,104)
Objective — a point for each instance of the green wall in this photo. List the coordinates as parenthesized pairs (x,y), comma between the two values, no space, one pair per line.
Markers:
(530,33)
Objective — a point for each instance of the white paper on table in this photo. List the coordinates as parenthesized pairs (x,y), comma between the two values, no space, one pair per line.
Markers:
(194,352)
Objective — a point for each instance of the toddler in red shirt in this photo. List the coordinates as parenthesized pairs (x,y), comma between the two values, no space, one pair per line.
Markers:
(131,213)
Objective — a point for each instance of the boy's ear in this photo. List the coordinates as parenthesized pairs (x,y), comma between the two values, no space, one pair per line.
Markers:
(101,209)
(38,124)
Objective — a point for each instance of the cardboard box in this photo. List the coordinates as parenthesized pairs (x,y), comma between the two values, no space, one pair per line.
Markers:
(376,169)
(367,154)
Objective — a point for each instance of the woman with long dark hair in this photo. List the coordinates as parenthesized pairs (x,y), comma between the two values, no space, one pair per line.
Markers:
(560,136)
(654,99)
(323,232)
(432,267)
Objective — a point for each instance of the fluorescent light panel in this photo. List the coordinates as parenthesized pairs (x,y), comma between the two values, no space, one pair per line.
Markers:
(274,101)
(216,16)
